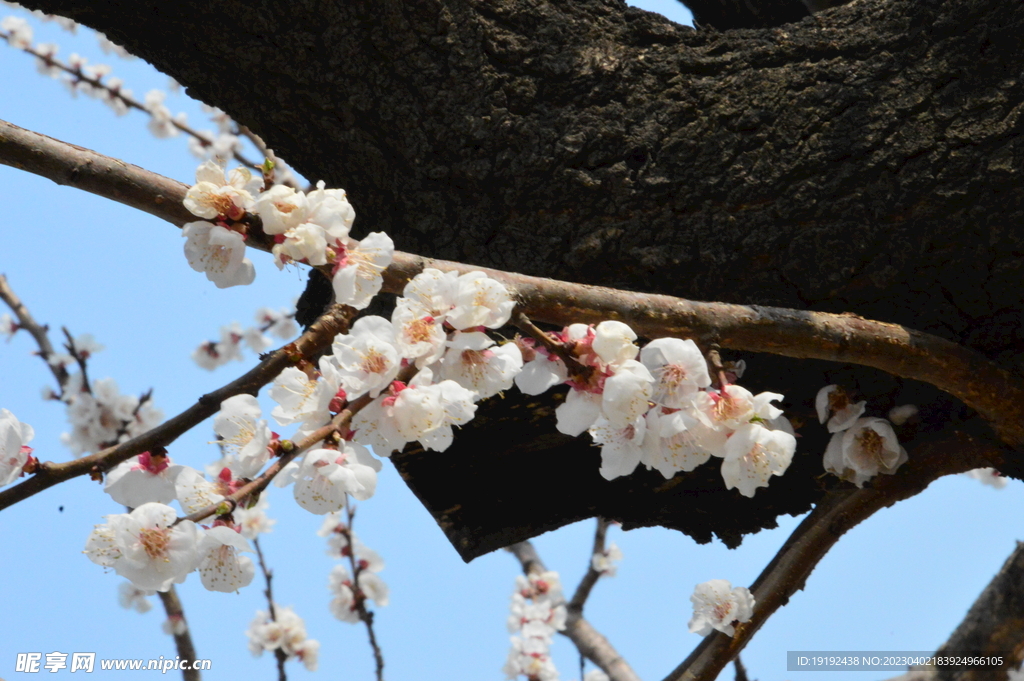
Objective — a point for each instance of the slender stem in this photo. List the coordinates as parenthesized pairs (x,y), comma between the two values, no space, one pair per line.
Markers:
(118,94)
(182,641)
(365,616)
(588,640)
(37,331)
(268,575)
(741,671)
(579,599)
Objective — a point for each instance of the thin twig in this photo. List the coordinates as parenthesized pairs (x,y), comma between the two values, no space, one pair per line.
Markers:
(268,575)
(359,598)
(967,375)
(117,93)
(588,640)
(182,641)
(579,599)
(741,671)
(837,512)
(318,337)
(37,331)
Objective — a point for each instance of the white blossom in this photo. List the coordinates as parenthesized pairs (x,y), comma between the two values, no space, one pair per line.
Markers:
(620,445)
(367,357)
(325,476)
(221,568)
(244,437)
(613,342)
(677,441)
(606,562)
(216,195)
(867,448)
(473,362)
(132,597)
(753,454)
(359,267)
(480,301)
(14,449)
(142,479)
(19,33)
(219,253)
(254,520)
(716,605)
(146,546)
(678,368)
(833,400)
(988,476)
(418,334)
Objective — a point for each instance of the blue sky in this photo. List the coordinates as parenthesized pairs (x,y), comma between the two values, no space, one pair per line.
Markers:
(900,581)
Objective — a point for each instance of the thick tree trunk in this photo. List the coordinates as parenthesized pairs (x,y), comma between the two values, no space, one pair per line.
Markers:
(866,159)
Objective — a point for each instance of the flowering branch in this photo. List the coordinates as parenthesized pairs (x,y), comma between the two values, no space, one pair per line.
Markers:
(182,636)
(318,337)
(268,575)
(114,93)
(365,616)
(37,331)
(837,512)
(588,640)
(846,338)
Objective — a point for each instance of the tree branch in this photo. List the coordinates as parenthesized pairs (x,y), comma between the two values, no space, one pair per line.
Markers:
(268,576)
(588,640)
(38,332)
(955,369)
(837,512)
(579,598)
(311,342)
(183,641)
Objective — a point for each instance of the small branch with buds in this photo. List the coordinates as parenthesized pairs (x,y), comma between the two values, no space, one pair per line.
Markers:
(588,640)
(365,616)
(318,337)
(182,635)
(36,330)
(279,653)
(838,511)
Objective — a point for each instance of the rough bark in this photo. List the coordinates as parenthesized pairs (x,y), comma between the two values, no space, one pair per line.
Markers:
(865,159)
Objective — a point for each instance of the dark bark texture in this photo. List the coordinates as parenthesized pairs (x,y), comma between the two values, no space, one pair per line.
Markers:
(865,159)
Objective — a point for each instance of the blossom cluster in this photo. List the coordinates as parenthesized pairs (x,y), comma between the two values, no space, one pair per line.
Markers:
(308,228)
(153,550)
(280,323)
(718,606)
(350,593)
(283,630)
(537,612)
(15,454)
(861,447)
(657,406)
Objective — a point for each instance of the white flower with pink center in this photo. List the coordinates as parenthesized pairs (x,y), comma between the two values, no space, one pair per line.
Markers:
(194,492)
(358,268)
(865,449)
(459,408)
(367,357)
(15,454)
(244,437)
(281,208)
(473,362)
(480,301)
(613,342)
(677,441)
(541,369)
(330,209)
(305,243)
(19,33)
(219,253)
(435,290)
(678,368)
(146,546)
(753,454)
(627,392)
(131,597)
(343,605)
(142,479)
(295,394)
(254,520)
(620,445)
(325,476)
(221,568)
(418,334)
(717,606)
(215,195)
(833,400)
